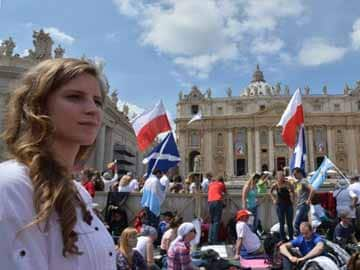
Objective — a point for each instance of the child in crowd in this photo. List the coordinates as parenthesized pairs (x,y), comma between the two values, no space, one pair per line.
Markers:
(344,231)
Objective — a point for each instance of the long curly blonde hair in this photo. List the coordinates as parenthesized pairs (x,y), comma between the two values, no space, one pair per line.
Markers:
(28,134)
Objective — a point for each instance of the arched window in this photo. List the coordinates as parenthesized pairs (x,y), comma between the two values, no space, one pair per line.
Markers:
(278,138)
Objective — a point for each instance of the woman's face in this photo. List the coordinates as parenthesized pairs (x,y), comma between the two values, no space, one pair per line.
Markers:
(76,110)
(132,241)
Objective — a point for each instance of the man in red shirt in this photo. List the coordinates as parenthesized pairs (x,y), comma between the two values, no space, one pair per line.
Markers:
(87,183)
(216,194)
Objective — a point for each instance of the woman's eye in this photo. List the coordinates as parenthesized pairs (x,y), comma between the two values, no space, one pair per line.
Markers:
(73,97)
(98,103)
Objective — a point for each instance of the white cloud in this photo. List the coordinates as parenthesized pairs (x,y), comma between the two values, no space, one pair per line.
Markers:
(355,35)
(198,35)
(317,51)
(286,58)
(269,46)
(129,8)
(59,36)
(24,53)
(133,109)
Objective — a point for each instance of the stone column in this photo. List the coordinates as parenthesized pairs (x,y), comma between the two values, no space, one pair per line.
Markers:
(230,154)
(330,144)
(100,148)
(257,151)
(208,150)
(250,152)
(271,150)
(311,157)
(352,150)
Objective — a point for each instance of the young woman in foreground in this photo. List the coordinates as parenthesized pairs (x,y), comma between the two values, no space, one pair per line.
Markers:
(46,219)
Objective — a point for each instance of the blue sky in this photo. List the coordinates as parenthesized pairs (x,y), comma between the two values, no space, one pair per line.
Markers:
(154,49)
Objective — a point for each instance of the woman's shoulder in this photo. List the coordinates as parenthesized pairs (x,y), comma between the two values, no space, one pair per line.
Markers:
(83,193)
(14,175)
(16,190)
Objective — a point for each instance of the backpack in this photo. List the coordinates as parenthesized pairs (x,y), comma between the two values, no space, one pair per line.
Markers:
(231,231)
(271,248)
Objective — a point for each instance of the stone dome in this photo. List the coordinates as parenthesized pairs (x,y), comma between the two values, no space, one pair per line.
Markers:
(258,85)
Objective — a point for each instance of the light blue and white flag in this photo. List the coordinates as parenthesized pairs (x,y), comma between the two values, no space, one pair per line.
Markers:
(319,177)
(164,156)
(298,158)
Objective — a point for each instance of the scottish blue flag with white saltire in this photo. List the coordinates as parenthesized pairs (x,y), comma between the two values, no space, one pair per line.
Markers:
(319,177)
(164,156)
(298,158)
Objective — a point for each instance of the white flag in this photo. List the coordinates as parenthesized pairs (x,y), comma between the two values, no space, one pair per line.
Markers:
(196,117)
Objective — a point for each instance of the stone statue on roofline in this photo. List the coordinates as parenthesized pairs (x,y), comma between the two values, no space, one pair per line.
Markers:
(42,45)
(287,90)
(59,52)
(278,88)
(307,90)
(229,92)
(114,97)
(7,47)
(324,90)
(208,93)
(126,109)
(347,89)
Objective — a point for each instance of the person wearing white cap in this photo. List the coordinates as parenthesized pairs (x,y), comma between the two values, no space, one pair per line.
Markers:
(145,245)
(179,257)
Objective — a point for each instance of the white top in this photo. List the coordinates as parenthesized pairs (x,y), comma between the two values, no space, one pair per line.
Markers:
(131,187)
(355,187)
(164,180)
(109,183)
(317,212)
(141,245)
(36,250)
(205,185)
(192,188)
(344,201)
(250,241)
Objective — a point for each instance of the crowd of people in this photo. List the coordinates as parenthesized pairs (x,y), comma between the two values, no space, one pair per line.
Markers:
(302,233)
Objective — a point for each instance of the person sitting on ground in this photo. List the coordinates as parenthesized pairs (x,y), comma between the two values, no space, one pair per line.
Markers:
(344,231)
(170,234)
(127,257)
(309,244)
(145,245)
(354,262)
(179,251)
(118,221)
(165,222)
(319,218)
(246,239)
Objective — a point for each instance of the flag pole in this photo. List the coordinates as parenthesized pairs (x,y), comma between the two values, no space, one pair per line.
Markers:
(339,171)
(161,151)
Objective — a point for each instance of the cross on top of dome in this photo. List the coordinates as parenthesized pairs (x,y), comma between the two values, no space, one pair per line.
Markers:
(258,75)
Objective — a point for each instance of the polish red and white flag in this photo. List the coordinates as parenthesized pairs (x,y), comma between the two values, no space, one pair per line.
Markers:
(291,119)
(149,124)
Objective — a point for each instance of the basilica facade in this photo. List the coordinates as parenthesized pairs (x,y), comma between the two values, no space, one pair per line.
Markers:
(116,138)
(237,135)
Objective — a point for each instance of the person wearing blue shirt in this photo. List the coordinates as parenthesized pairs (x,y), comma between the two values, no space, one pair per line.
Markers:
(309,244)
